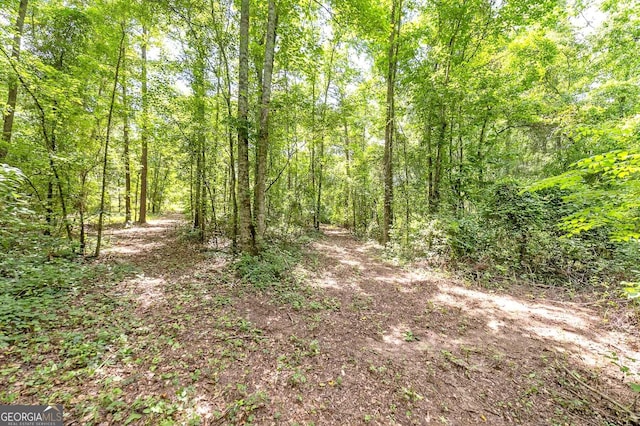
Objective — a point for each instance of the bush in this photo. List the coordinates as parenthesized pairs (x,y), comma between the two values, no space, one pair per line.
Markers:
(267,268)
(35,268)
(512,233)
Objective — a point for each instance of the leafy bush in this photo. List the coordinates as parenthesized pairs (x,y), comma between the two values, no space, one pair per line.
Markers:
(604,190)
(35,268)
(516,234)
(269,267)
(428,239)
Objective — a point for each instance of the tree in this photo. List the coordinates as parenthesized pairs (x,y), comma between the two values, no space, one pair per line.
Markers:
(144,132)
(389,132)
(12,97)
(106,142)
(126,158)
(259,212)
(246,229)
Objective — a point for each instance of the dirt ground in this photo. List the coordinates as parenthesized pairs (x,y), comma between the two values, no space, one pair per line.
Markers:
(350,339)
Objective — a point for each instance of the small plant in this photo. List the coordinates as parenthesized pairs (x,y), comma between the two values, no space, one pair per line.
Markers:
(631,289)
(625,369)
(409,336)
(297,378)
(411,395)
(314,347)
(267,269)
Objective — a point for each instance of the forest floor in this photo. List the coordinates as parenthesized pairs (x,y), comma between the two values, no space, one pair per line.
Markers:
(346,338)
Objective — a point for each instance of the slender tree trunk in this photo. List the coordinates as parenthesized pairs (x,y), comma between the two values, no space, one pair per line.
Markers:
(320,154)
(12,97)
(351,199)
(389,132)
(245,228)
(312,163)
(49,213)
(106,144)
(232,162)
(479,155)
(434,201)
(259,213)
(81,208)
(142,217)
(407,203)
(126,142)
(429,143)
(200,141)
(232,158)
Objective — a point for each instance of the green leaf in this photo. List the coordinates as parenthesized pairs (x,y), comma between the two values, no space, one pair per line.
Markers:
(132,418)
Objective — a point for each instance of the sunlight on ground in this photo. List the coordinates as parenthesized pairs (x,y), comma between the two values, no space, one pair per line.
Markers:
(140,230)
(327,282)
(574,326)
(400,338)
(568,327)
(148,289)
(508,304)
(132,249)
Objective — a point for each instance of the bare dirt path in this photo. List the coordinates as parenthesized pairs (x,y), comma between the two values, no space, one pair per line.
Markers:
(344,338)
(424,348)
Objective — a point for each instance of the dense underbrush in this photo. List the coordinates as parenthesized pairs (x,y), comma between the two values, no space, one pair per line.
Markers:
(516,235)
(39,271)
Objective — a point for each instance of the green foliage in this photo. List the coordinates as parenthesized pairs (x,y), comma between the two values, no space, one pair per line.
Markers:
(631,289)
(269,268)
(514,234)
(604,189)
(34,269)
(37,271)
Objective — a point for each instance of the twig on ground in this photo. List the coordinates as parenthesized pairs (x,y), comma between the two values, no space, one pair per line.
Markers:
(633,417)
(233,337)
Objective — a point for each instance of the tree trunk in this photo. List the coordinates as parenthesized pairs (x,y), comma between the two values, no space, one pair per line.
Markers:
(320,155)
(389,131)
(351,197)
(200,141)
(434,200)
(126,142)
(232,161)
(7,127)
(312,163)
(259,213)
(142,217)
(246,231)
(429,143)
(479,155)
(106,144)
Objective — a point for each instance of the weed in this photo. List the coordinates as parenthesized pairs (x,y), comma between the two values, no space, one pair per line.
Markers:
(268,268)
(411,395)
(409,336)
(297,379)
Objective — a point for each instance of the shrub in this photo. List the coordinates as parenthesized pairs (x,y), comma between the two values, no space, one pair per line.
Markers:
(267,268)
(35,269)
(516,234)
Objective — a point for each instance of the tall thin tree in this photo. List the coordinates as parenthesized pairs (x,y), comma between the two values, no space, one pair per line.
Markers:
(246,230)
(389,131)
(126,141)
(259,213)
(106,143)
(144,133)
(12,98)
